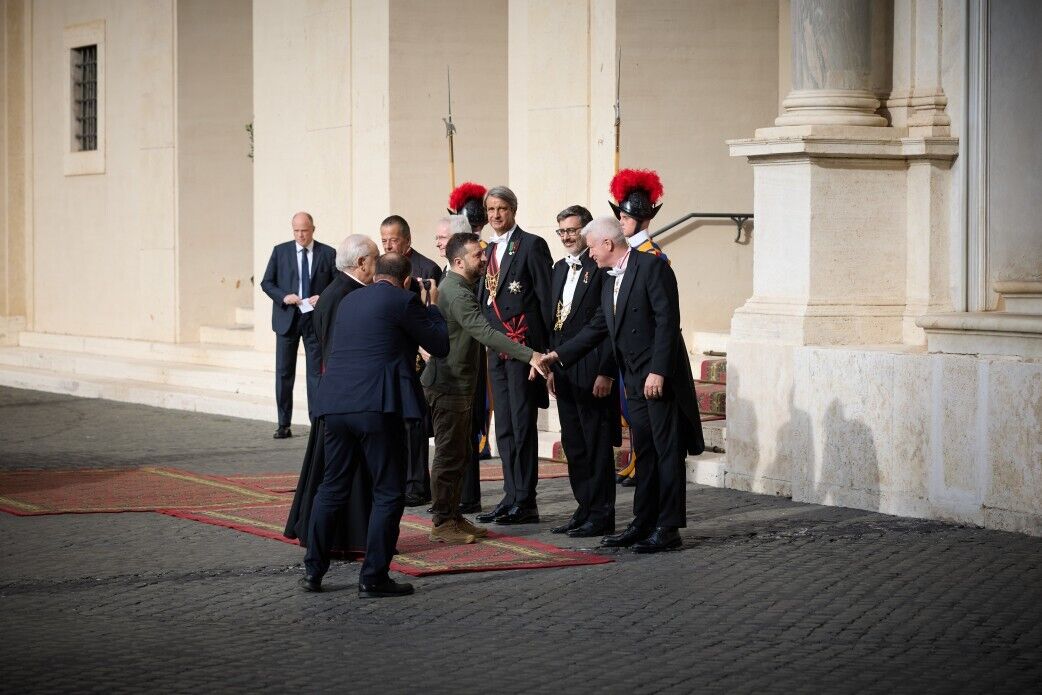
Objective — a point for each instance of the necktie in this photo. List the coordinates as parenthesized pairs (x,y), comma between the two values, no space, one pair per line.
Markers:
(305,275)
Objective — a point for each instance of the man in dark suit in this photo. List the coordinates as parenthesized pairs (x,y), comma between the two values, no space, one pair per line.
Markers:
(397,238)
(587,400)
(297,273)
(368,391)
(356,262)
(640,313)
(511,294)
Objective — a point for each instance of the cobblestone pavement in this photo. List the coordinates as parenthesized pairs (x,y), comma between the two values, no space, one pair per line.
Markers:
(768,595)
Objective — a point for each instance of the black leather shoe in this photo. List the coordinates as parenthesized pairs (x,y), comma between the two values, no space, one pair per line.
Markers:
(282,433)
(308,583)
(519,515)
(589,529)
(384,589)
(412,500)
(628,537)
(490,516)
(572,523)
(629,482)
(663,538)
(471,508)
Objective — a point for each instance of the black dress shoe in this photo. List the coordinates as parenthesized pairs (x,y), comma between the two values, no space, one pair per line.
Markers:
(282,433)
(629,482)
(572,523)
(663,538)
(589,529)
(490,516)
(469,508)
(519,515)
(628,537)
(384,589)
(308,583)
(412,500)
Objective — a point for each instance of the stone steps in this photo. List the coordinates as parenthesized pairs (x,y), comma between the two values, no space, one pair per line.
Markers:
(208,378)
(239,335)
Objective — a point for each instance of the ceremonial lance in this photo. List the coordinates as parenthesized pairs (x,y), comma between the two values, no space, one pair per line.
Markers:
(450,131)
(618,111)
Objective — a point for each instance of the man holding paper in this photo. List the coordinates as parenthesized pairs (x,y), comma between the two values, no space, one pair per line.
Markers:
(297,273)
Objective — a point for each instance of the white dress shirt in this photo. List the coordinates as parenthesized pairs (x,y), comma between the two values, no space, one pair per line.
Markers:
(311,267)
(501,242)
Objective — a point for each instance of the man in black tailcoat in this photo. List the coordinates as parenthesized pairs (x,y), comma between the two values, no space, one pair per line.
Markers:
(511,295)
(587,399)
(640,313)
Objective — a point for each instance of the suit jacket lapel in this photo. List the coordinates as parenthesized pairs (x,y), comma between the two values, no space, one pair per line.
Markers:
(607,294)
(627,284)
(504,265)
(585,273)
(294,271)
(560,276)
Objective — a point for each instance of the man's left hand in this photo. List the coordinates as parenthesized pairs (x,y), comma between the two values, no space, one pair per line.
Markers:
(653,386)
(601,386)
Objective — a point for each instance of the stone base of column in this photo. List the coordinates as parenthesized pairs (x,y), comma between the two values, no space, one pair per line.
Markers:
(10,327)
(830,107)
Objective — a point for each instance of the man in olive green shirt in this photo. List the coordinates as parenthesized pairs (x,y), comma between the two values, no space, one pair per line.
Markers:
(449,384)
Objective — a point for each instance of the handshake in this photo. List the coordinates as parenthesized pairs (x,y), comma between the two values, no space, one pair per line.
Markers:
(542,364)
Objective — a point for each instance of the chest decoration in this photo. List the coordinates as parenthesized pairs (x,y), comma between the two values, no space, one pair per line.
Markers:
(491,283)
(586,278)
(561,315)
(512,248)
(514,287)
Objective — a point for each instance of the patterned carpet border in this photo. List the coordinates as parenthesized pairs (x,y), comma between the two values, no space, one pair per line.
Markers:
(106,491)
(418,555)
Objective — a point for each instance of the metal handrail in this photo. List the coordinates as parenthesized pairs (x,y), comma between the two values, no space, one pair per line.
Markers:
(739,218)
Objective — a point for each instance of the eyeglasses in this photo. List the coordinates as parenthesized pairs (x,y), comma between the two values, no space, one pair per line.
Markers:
(571,231)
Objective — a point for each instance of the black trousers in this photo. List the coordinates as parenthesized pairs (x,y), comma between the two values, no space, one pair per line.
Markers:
(376,440)
(586,424)
(661,495)
(418,453)
(514,401)
(286,365)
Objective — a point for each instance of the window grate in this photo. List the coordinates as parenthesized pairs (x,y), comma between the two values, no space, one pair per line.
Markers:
(85,96)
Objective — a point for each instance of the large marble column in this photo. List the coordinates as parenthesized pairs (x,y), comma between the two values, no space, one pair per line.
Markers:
(850,223)
(836,63)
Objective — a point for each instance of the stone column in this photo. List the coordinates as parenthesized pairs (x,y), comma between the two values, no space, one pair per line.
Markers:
(850,229)
(835,63)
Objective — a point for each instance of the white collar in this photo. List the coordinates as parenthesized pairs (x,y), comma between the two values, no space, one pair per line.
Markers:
(576,260)
(620,269)
(502,238)
(638,239)
(352,276)
(310,247)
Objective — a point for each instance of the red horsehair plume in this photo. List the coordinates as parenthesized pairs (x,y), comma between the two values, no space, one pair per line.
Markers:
(464,192)
(628,179)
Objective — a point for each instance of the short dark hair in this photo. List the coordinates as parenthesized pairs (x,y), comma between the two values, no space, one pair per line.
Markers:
(579,211)
(458,243)
(400,222)
(394,265)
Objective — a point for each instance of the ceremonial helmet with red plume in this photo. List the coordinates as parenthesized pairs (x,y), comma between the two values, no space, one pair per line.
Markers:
(469,199)
(638,192)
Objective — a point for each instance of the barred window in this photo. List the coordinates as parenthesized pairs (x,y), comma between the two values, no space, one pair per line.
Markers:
(85,97)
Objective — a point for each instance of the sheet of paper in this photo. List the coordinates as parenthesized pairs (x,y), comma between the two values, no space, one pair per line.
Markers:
(305,306)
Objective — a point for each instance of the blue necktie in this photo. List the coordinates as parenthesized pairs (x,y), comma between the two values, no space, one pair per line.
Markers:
(305,275)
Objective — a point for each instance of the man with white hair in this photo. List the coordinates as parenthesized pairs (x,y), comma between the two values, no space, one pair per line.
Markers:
(640,314)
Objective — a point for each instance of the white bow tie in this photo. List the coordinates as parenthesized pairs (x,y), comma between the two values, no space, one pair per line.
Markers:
(574,262)
(493,239)
(617,272)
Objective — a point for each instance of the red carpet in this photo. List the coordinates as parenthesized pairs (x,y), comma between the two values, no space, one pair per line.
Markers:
(28,493)
(287,482)
(272,482)
(418,555)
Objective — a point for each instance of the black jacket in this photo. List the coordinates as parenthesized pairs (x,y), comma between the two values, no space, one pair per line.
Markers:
(281,277)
